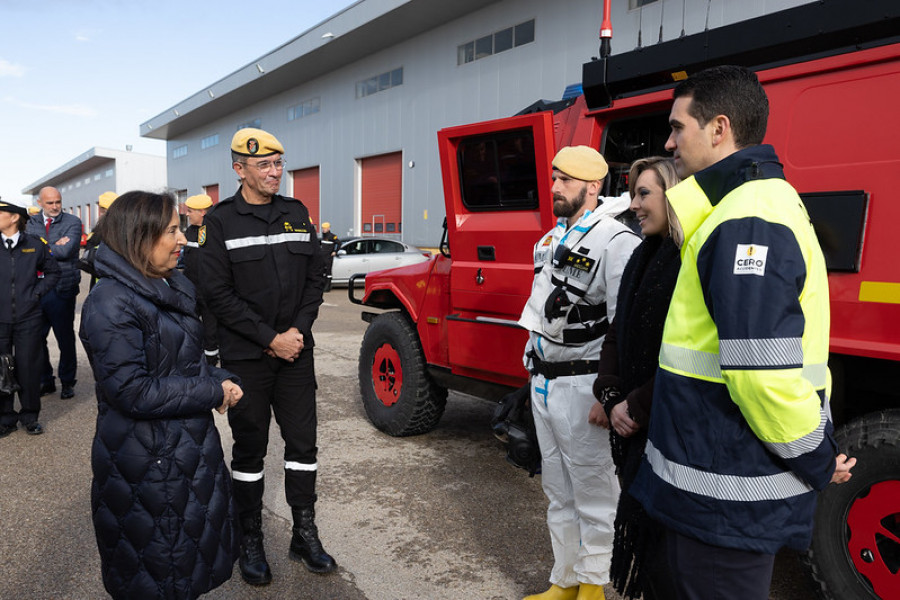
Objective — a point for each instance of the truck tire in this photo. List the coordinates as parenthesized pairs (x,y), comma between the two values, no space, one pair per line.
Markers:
(398,394)
(855,552)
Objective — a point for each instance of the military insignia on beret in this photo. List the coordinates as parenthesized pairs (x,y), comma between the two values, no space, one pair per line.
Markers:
(201,235)
(252,146)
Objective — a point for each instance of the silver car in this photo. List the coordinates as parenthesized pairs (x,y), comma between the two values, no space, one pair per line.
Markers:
(364,255)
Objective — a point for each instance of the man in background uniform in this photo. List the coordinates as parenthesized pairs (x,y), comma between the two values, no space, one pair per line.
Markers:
(196,211)
(86,263)
(330,245)
(62,231)
(577,268)
(263,280)
(22,256)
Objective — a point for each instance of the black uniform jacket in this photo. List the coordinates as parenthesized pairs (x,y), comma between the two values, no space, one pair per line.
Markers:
(20,287)
(263,273)
(190,256)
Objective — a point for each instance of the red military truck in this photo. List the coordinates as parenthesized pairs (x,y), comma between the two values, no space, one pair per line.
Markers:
(832,73)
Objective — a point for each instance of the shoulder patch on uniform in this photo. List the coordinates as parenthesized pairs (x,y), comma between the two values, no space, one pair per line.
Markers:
(201,235)
(750,259)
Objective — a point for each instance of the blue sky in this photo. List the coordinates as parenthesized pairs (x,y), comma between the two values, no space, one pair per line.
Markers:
(75,74)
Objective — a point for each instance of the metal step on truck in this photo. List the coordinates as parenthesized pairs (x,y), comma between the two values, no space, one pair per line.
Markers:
(831,70)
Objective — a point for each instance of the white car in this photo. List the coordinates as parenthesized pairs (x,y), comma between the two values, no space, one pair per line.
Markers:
(367,254)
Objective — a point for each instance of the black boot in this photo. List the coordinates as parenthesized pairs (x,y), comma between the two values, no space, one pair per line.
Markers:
(305,544)
(254,567)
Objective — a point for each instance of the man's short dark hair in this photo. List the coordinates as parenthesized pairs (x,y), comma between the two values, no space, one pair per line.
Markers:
(731,91)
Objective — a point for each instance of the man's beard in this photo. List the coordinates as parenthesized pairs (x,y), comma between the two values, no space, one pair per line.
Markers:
(563,208)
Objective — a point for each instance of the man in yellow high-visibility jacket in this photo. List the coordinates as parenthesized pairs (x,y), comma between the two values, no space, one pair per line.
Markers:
(740,431)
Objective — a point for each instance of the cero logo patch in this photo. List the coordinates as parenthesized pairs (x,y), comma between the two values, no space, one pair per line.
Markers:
(750,259)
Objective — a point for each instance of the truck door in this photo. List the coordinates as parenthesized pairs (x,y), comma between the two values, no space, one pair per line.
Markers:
(497,195)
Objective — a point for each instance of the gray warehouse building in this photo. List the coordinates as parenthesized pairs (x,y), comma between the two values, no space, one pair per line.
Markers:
(357,100)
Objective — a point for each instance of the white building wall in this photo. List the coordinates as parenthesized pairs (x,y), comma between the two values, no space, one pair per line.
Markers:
(140,172)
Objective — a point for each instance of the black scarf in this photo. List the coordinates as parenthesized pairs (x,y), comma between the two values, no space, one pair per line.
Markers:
(643,302)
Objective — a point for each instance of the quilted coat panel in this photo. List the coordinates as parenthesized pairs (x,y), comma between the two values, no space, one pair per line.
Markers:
(161,492)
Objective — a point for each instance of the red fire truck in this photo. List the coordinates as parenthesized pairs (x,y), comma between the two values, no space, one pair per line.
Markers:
(831,70)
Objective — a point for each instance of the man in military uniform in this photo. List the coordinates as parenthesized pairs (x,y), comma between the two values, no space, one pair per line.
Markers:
(21,318)
(263,280)
(196,211)
(330,245)
(86,263)
(577,268)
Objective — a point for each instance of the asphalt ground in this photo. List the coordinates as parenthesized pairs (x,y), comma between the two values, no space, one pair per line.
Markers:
(438,516)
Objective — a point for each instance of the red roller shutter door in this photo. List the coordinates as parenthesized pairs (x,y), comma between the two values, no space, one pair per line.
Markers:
(382,185)
(306,190)
(213,192)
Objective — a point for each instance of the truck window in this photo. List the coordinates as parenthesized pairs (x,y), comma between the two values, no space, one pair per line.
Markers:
(626,140)
(497,171)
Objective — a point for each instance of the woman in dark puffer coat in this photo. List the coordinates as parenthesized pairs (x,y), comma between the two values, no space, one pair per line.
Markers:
(161,493)
(628,363)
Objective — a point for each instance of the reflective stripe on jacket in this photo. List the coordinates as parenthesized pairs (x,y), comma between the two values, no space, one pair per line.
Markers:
(740,436)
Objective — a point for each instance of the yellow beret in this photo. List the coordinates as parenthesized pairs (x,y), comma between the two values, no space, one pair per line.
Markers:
(199,202)
(326,225)
(17,208)
(106,199)
(581,162)
(255,142)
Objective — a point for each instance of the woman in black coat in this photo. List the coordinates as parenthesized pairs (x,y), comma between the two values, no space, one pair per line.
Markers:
(628,362)
(161,493)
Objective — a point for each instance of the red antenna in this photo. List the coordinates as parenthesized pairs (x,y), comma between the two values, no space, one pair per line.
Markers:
(606,31)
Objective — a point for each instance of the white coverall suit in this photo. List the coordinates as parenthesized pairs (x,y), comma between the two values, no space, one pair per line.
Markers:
(578,475)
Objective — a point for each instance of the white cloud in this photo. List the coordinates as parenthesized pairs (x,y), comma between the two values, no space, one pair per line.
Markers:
(75,110)
(82,38)
(8,69)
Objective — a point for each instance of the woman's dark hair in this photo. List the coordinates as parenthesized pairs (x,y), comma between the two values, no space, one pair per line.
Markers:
(22,223)
(132,226)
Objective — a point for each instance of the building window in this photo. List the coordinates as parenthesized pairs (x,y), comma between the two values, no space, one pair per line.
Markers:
(310,107)
(209,141)
(87,180)
(633,4)
(255,123)
(109,173)
(379,83)
(179,151)
(500,41)
(97,176)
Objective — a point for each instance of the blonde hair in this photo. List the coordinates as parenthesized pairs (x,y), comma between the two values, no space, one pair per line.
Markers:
(666,177)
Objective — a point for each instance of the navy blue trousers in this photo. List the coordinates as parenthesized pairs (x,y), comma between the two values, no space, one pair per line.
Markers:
(705,572)
(288,390)
(59,314)
(23,338)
